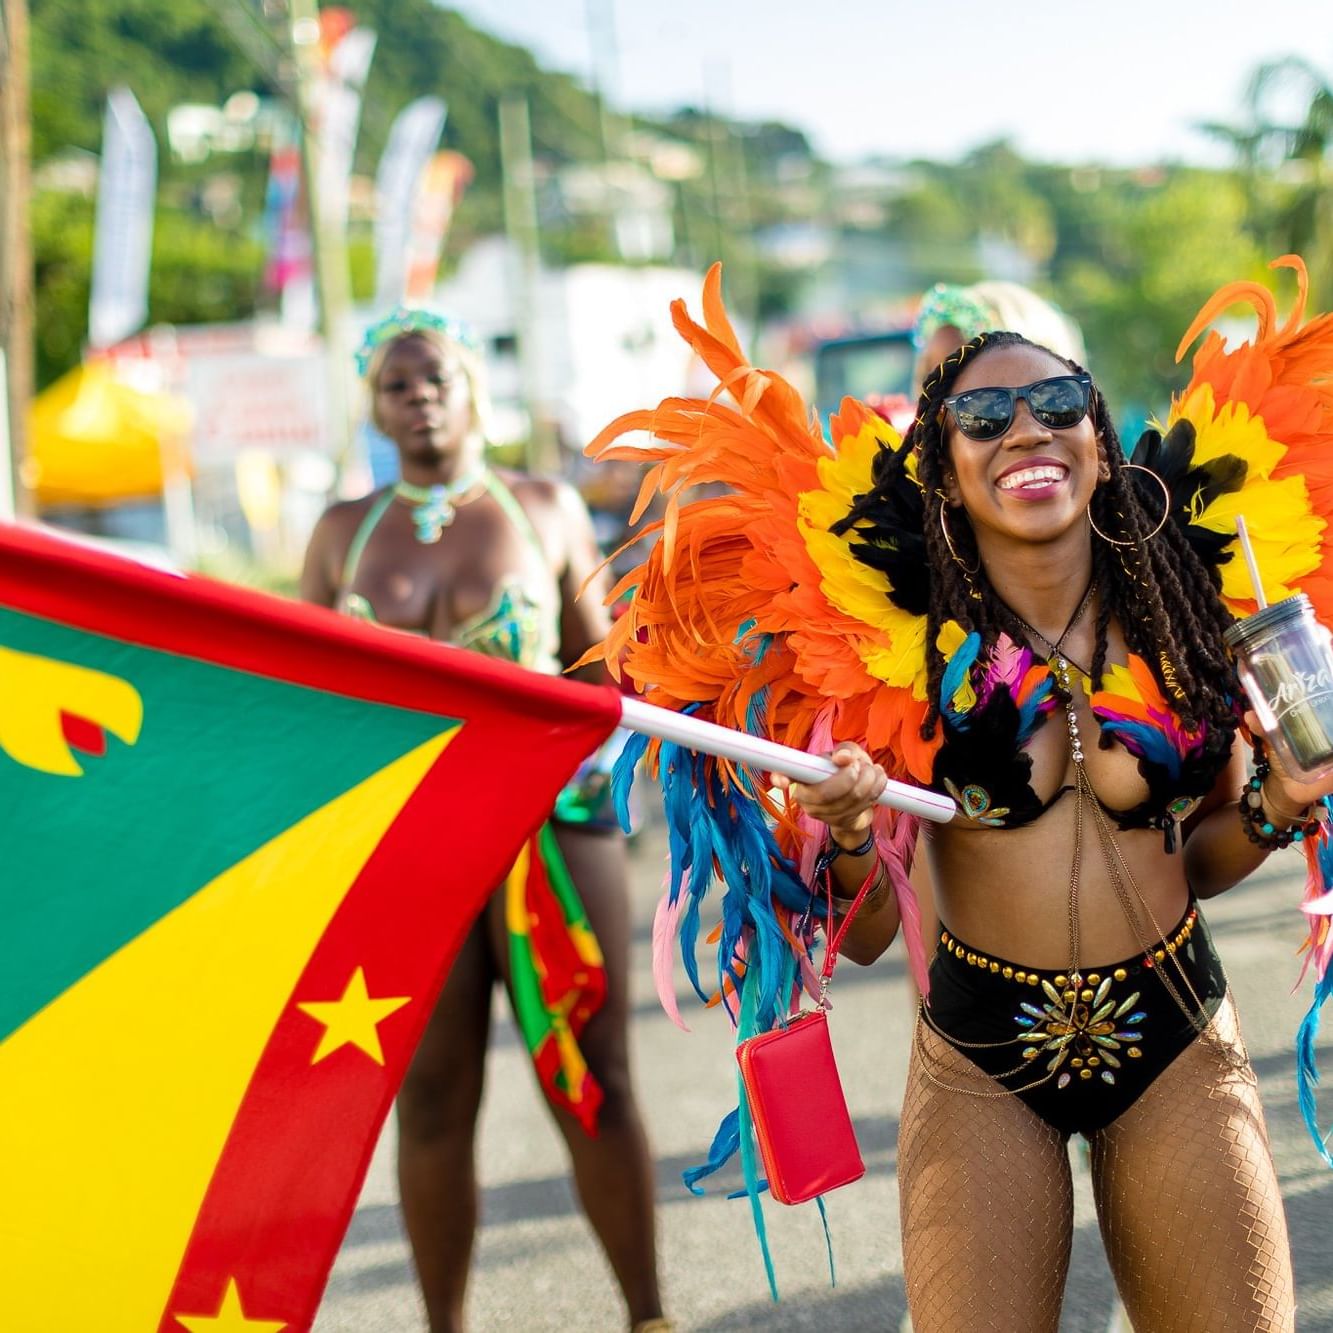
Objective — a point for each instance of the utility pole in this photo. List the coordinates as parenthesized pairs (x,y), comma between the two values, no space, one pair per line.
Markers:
(604,61)
(15,258)
(520,207)
(328,240)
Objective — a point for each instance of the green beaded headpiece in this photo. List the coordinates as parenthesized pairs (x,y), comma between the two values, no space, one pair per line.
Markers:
(945,304)
(405,320)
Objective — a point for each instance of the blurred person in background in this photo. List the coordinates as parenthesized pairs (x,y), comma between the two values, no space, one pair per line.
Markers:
(951,315)
(493,562)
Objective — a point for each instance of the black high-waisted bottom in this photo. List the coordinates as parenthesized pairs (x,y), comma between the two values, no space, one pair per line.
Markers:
(1078,1050)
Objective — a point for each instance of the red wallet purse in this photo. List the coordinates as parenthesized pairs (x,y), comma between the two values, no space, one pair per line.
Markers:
(806,1139)
(800,1116)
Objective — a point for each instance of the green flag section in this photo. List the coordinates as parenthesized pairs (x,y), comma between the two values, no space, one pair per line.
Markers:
(244,840)
(236,755)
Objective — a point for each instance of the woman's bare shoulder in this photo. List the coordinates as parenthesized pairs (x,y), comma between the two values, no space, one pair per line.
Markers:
(336,528)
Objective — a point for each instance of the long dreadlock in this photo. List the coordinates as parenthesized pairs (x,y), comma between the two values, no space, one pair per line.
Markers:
(1137,583)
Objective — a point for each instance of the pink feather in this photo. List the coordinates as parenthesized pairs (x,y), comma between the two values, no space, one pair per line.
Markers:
(664,938)
(1006,663)
(895,839)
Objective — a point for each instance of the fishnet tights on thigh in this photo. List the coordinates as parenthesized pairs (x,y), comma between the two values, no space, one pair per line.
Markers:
(1188,1198)
(987,1202)
(1186,1193)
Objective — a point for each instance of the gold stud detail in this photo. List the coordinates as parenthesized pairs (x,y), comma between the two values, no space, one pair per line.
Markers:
(1077,1062)
(1094,979)
(971,958)
(1159,955)
(1008,974)
(1134,1053)
(1120,974)
(1085,1073)
(1033,978)
(982,960)
(994,966)
(1062,980)
(1094,1060)
(1070,996)
(1085,996)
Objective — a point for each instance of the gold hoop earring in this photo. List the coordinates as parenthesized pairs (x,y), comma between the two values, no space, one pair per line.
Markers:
(948,541)
(1161,522)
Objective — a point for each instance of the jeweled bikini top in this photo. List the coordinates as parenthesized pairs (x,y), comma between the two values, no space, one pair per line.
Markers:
(993,703)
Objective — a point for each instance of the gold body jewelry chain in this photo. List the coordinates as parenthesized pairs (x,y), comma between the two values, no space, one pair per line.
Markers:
(1116,868)
(1075,978)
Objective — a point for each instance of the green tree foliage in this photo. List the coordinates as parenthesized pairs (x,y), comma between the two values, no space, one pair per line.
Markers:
(199,274)
(1283,154)
(167,51)
(1130,254)
(1161,248)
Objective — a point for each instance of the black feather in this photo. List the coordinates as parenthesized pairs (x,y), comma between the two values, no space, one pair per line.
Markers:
(1192,486)
(892,541)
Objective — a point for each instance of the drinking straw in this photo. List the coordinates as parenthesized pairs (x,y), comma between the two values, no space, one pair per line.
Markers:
(1248,552)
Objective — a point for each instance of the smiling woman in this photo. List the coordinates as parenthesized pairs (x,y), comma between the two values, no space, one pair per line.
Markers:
(998,607)
(1106,1015)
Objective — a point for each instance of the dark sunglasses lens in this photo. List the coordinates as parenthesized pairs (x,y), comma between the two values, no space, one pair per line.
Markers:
(984,413)
(1059,403)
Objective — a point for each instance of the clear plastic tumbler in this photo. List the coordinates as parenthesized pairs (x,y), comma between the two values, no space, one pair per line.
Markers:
(1285,661)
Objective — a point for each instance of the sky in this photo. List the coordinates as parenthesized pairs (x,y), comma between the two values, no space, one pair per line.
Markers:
(1116,81)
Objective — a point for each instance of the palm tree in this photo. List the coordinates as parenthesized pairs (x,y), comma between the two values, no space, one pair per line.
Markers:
(1284,151)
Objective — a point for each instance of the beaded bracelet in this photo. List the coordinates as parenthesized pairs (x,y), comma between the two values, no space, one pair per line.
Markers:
(1259,830)
(833,850)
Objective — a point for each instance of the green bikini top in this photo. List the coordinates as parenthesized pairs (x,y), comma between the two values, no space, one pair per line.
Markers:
(516,626)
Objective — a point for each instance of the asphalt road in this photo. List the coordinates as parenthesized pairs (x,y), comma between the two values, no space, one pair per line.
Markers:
(537,1266)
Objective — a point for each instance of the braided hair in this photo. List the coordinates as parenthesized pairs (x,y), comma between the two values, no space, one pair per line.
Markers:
(1138,583)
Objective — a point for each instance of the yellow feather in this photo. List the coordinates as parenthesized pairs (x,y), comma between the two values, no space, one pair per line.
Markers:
(1284,531)
(1118,680)
(903,662)
(854,589)
(950,638)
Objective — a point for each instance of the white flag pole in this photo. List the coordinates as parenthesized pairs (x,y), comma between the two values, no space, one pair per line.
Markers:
(668,725)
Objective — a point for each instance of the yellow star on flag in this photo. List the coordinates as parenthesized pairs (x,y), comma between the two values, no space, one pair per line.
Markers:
(352,1020)
(230,1318)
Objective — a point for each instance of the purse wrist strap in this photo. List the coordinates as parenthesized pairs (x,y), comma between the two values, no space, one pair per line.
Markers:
(836,938)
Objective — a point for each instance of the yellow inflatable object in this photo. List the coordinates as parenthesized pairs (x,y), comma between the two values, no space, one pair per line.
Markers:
(94,440)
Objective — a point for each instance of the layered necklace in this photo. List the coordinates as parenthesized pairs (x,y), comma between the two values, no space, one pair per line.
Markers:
(1060,661)
(434,508)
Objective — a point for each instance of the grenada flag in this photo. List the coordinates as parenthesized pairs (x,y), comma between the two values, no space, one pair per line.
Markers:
(240,843)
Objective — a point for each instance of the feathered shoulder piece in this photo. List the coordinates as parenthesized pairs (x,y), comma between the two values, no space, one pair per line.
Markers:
(749,608)
(751,612)
(1250,435)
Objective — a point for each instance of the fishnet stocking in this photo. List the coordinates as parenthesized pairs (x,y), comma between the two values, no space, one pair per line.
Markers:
(1186,1192)
(987,1202)
(1188,1198)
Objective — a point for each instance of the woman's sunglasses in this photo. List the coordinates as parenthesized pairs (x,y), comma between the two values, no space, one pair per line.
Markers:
(1058,403)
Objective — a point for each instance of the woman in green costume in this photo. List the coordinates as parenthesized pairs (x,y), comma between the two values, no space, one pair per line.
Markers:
(493,561)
